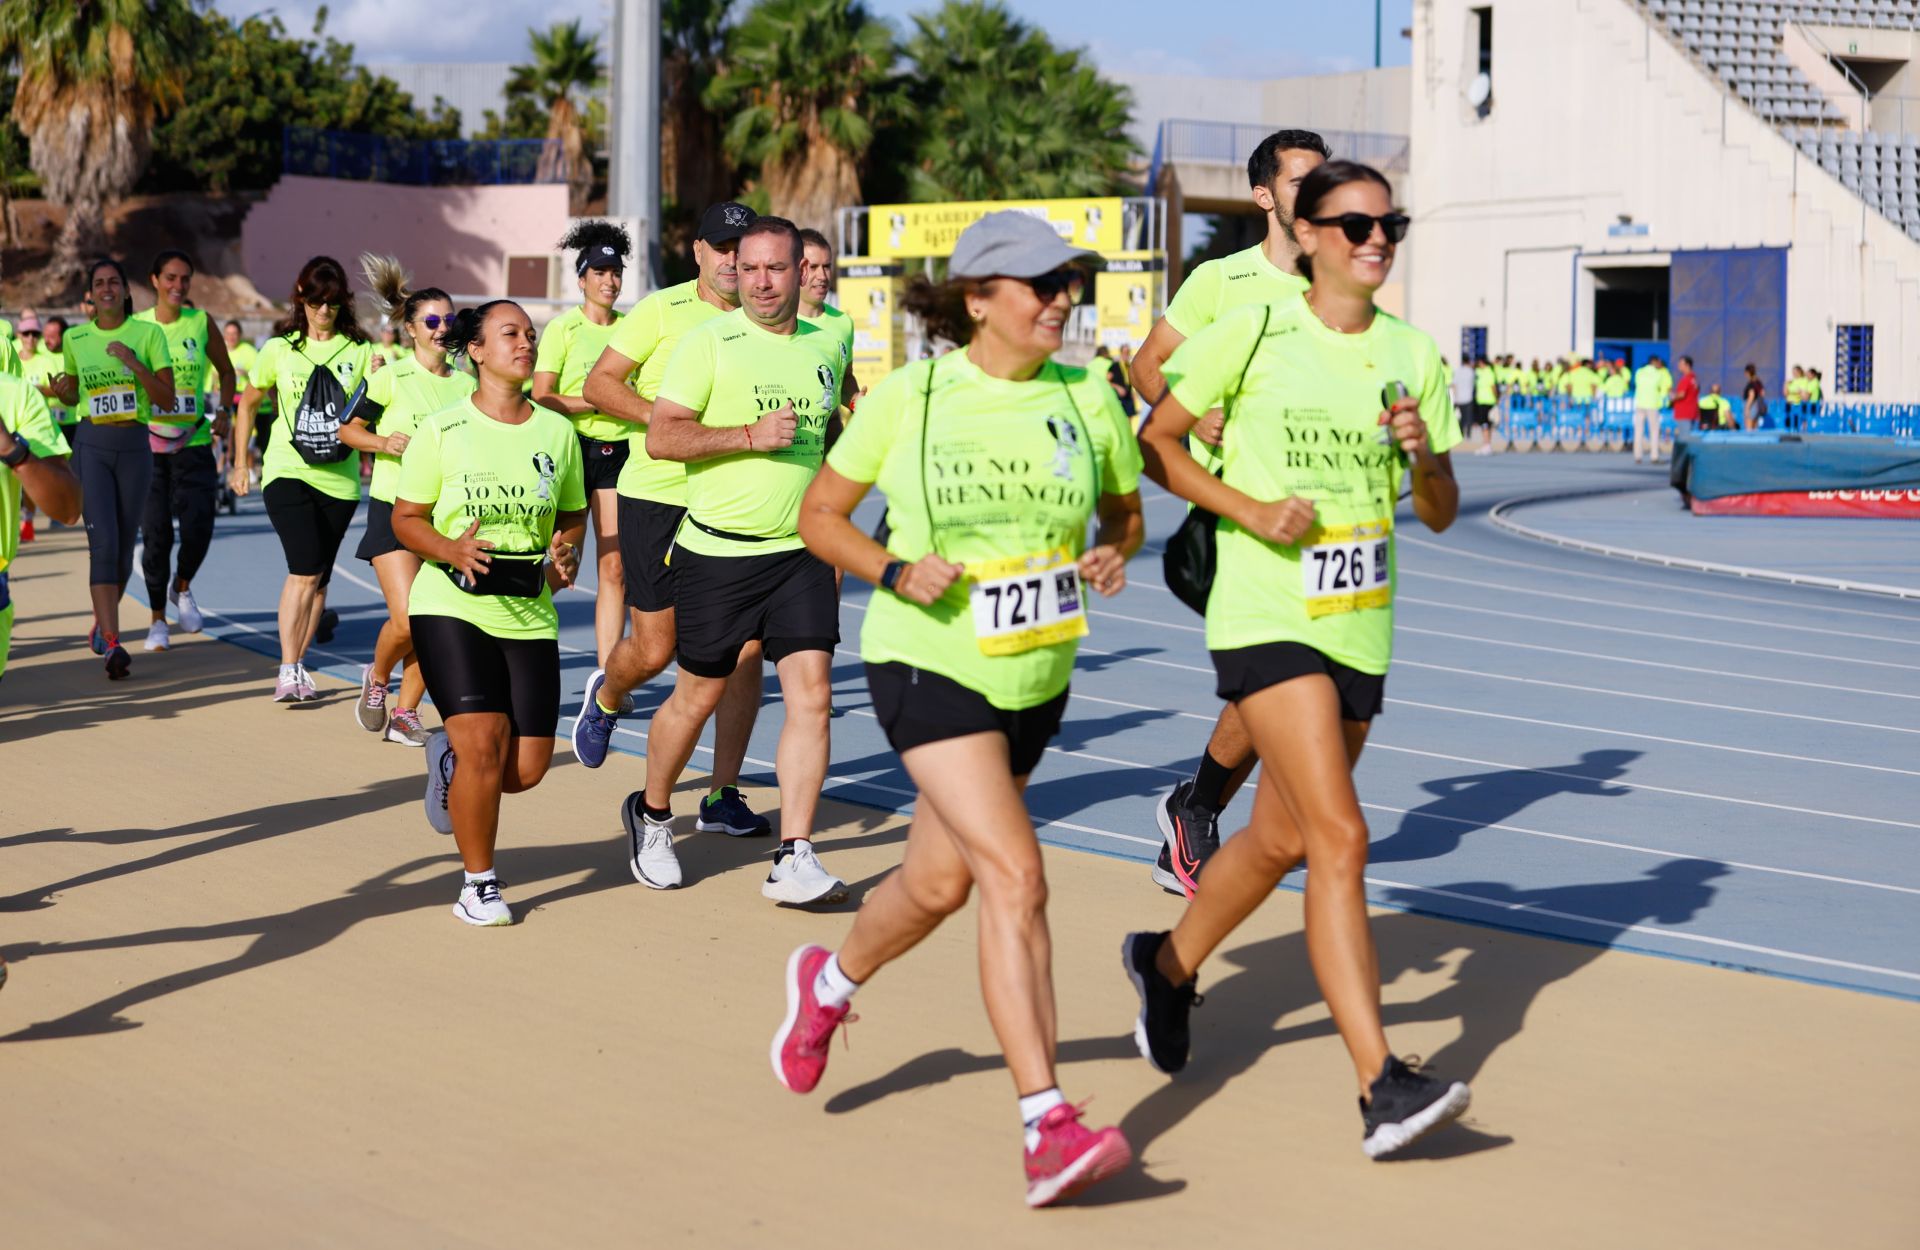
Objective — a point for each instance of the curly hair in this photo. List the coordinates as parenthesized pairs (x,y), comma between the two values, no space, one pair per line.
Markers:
(589,235)
(942,306)
(322,280)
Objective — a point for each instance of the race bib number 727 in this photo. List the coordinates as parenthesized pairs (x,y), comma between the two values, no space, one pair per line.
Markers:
(1026,602)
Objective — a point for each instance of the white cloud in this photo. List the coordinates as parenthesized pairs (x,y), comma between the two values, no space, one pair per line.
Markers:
(381,30)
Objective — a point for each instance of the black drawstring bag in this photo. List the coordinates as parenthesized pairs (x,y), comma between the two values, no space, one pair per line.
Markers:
(324,408)
(1191,555)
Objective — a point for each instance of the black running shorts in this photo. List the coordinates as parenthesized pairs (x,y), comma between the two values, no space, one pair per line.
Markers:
(1246,670)
(647,528)
(601,463)
(916,707)
(310,523)
(785,600)
(469,670)
(379,539)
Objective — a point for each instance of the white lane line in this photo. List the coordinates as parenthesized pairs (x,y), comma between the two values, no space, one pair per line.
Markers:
(1643,584)
(1646,850)
(274,638)
(1681,742)
(1375,744)
(1654,698)
(1144,620)
(1613,926)
(1800,654)
(1717,618)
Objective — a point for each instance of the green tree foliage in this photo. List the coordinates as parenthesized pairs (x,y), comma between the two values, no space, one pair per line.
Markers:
(1000,113)
(801,81)
(251,79)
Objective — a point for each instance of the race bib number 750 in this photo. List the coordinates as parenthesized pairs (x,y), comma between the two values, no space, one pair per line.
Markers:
(1026,602)
(1345,568)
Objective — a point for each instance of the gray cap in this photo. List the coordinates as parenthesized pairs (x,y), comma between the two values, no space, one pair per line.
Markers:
(1011,244)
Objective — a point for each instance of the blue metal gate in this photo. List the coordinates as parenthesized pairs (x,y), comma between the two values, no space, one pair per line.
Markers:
(1729,309)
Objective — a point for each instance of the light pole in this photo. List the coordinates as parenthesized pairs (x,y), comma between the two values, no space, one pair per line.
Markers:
(1376,33)
(633,171)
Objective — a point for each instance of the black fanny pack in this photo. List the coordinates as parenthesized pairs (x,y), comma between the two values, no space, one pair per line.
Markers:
(506,577)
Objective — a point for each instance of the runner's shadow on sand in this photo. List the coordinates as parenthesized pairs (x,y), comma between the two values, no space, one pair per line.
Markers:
(1474,801)
(74,694)
(1494,985)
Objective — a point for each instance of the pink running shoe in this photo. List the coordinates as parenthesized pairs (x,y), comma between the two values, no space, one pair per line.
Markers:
(1069,1157)
(800,1047)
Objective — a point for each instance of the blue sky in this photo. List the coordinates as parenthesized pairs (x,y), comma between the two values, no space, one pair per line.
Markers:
(1236,39)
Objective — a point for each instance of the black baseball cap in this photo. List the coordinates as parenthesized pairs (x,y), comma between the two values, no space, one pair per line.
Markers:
(724,222)
(599,256)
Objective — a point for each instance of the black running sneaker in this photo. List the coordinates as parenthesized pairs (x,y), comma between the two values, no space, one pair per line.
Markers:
(1405,1105)
(1161,1031)
(324,627)
(1163,874)
(1192,834)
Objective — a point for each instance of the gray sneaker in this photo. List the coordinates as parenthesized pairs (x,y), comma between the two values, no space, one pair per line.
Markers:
(370,709)
(405,728)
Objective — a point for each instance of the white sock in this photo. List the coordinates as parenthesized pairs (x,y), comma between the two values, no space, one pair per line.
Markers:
(832,987)
(483,875)
(1033,1106)
(289,671)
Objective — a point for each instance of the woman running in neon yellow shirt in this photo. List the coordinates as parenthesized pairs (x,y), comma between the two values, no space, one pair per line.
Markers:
(491,498)
(569,348)
(399,394)
(970,642)
(1300,620)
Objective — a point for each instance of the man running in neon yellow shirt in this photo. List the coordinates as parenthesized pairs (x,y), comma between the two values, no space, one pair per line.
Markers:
(1580,383)
(744,405)
(815,311)
(1651,386)
(1262,274)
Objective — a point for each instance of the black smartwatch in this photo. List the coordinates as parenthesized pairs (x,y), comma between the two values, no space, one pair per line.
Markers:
(891,574)
(19,455)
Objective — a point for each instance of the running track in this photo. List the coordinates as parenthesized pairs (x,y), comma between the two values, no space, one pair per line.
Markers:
(1687,765)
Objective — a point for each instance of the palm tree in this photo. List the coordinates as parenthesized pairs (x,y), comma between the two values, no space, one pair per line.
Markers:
(801,79)
(694,170)
(1000,113)
(94,76)
(565,65)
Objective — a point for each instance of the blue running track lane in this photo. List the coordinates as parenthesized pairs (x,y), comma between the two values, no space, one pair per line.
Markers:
(1687,765)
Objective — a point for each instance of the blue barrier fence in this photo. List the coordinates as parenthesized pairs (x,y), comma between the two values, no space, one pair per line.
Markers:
(420,162)
(1557,418)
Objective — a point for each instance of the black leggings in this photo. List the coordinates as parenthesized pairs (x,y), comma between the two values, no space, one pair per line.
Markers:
(185,486)
(310,524)
(469,670)
(114,465)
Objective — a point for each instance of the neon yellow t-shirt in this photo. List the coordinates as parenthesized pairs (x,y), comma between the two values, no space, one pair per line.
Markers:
(512,479)
(1484,388)
(732,372)
(1306,422)
(1013,473)
(569,347)
(1580,384)
(41,369)
(1217,286)
(647,337)
(187,348)
(24,412)
(284,369)
(1651,386)
(10,362)
(1813,390)
(108,390)
(840,327)
(406,392)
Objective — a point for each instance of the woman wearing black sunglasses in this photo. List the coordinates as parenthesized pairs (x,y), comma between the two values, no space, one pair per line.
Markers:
(398,395)
(1300,621)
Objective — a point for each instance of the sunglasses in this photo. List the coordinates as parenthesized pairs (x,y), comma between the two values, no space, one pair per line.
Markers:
(1358,227)
(433,321)
(1047,286)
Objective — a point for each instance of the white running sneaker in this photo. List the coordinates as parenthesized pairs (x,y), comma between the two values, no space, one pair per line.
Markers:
(798,878)
(158,637)
(649,845)
(480,904)
(187,610)
(440,764)
(304,689)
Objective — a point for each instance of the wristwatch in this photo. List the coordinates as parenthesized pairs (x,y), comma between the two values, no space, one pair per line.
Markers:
(19,455)
(891,574)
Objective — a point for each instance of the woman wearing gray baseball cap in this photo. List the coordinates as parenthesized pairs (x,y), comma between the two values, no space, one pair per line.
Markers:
(993,459)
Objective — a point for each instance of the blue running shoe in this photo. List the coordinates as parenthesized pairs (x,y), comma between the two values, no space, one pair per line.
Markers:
(593,727)
(97,641)
(728,813)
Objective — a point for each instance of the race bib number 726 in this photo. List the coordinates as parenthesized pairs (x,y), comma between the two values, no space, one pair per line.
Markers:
(1345,568)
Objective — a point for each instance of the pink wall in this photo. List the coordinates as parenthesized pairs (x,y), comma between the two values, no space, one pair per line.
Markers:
(451,237)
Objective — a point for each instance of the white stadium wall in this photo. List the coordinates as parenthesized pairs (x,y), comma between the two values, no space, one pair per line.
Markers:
(1595,116)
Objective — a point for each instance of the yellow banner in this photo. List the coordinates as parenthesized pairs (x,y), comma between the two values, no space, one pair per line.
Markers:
(869,292)
(895,230)
(1127,295)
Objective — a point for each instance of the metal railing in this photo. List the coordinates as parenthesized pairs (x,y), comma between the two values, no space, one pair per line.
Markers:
(1549,420)
(1230,143)
(421,162)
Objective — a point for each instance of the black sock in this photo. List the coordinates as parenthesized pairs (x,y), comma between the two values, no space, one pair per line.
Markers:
(1208,781)
(658,813)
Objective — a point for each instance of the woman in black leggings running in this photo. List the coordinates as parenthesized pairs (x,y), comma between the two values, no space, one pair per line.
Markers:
(116,374)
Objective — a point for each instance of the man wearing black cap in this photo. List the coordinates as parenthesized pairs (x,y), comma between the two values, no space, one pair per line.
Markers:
(653,500)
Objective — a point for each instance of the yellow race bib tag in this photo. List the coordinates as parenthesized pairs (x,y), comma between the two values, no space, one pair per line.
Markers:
(1026,602)
(1344,568)
(116,403)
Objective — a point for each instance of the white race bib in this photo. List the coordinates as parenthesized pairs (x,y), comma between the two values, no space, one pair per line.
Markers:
(1345,568)
(116,403)
(186,405)
(1026,602)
